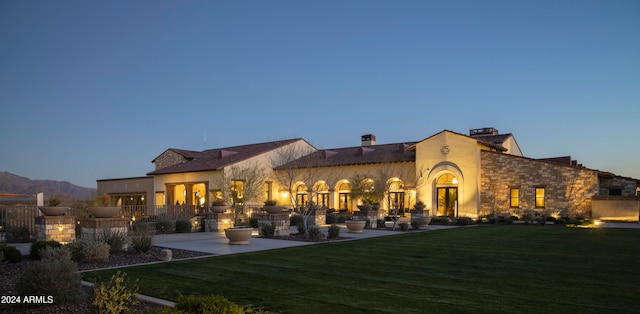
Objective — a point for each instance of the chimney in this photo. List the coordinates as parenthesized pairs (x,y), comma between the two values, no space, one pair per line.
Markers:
(368,140)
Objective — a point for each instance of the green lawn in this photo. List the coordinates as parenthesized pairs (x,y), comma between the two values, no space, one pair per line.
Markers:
(511,269)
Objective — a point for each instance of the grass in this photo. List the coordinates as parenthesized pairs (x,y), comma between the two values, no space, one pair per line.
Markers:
(508,269)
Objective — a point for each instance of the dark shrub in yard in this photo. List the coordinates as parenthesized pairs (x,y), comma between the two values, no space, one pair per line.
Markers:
(89,250)
(164,226)
(56,277)
(116,239)
(253,222)
(415,224)
(268,231)
(10,254)
(34,252)
(18,234)
(207,304)
(115,295)
(334,232)
(403,226)
(315,234)
(331,218)
(142,240)
(295,220)
(183,226)
(464,221)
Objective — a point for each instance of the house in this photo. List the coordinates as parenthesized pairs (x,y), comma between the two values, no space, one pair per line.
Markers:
(453,174)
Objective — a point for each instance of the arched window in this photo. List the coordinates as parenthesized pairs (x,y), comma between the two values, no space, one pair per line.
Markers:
(447,179)
(302,196)
(344,198)
(322,194)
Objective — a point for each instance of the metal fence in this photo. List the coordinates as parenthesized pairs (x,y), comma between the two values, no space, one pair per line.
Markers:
(20,220)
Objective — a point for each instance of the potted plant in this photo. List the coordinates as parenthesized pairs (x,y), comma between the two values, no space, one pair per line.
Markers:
(53,209)
(420,215)
(366,205)
(219,205)
(271,206)
(355,226)
(103,208)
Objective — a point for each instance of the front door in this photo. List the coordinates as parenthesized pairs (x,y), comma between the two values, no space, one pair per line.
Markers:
(447,201)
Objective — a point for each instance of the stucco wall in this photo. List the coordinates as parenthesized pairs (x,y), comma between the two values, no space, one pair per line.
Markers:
(566,188)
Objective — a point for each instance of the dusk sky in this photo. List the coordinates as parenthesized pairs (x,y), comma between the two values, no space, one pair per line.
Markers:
(97,89)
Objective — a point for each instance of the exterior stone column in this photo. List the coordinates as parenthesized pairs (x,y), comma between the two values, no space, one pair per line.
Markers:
(318,218)
(280,221)
(216,222)
(57,228)
(371,215)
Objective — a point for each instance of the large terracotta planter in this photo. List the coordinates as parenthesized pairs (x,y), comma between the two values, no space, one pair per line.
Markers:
(274,209)
(53,211)
(219,209)
(238,236)
(355,226)
(104,211)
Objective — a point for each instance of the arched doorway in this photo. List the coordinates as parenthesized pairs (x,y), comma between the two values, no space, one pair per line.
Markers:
(447,195)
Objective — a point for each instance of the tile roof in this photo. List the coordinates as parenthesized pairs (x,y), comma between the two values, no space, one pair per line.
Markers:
(357,155)
(216,159)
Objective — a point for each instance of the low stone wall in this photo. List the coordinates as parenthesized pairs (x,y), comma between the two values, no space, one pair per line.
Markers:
(371,215)
(280,221)
(94,228)
(56,228)
(617,208)
(216,222)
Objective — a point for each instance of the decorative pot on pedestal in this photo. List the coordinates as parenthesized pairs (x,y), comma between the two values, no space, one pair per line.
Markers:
(238,235)
(364,208)
(274,209)
(355,226)
(104,211)
(53,210)
(219,209)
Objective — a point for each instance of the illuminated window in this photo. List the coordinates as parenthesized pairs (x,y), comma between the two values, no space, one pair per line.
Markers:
(514,195)
(539,197)
(237,191)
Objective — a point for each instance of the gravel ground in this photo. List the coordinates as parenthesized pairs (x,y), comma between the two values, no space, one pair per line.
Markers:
(11,272)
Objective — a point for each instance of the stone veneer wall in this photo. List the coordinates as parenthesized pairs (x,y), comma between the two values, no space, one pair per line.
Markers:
(627,185)
(95,228)
(567,189)
(48,228)
(168,158)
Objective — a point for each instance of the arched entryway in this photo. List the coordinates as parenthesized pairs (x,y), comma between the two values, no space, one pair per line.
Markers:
(447,195)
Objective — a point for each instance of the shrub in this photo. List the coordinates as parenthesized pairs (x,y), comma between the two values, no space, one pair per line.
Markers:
(55,253)
(315,234)
(300,227)
(380,223)
(333,232)
(183,226)
(114,296)
(18,234)
(268,231)
(403,226)
(116,238)
(207,304)
(415,224)
(464,221)
(55,277)
(331,219)
(253,222)
(295,220)
(10,254)
(89,250)
(36,247)
(142,241)
(164,226)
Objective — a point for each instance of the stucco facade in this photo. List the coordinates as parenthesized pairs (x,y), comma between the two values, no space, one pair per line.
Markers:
(452,173)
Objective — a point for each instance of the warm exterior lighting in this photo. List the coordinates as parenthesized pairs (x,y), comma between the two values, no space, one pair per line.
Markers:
(597,222)
(60,228)
(454,181)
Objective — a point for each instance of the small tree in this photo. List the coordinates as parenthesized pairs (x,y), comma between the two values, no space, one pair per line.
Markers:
(241,185)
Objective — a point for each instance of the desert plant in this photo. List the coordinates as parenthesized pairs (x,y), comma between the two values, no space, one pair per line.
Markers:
(415,224)
(219,202)
(183,226)
(142,240)
(55,277)
(207,304)
(10,254)
(116,238)
(115,295)
(55,253)
(314,233)
(270,203)
(403,226)
(164,226)
(381,223)
(295,220)
(89,250)
(254,222)
(18,234)
(36,247)
(268,231)
(333,232)
(331,218)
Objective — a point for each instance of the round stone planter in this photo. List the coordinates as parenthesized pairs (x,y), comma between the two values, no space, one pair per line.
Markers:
(53,211)
(274,209)
(355,226)
(104,211)
(424,221)
(238,236)
(219,209)
(364,208)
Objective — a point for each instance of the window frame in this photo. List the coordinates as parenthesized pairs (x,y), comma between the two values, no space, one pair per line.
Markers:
(540,201)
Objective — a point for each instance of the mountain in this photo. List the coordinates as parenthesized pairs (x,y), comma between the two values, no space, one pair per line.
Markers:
(63,190)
